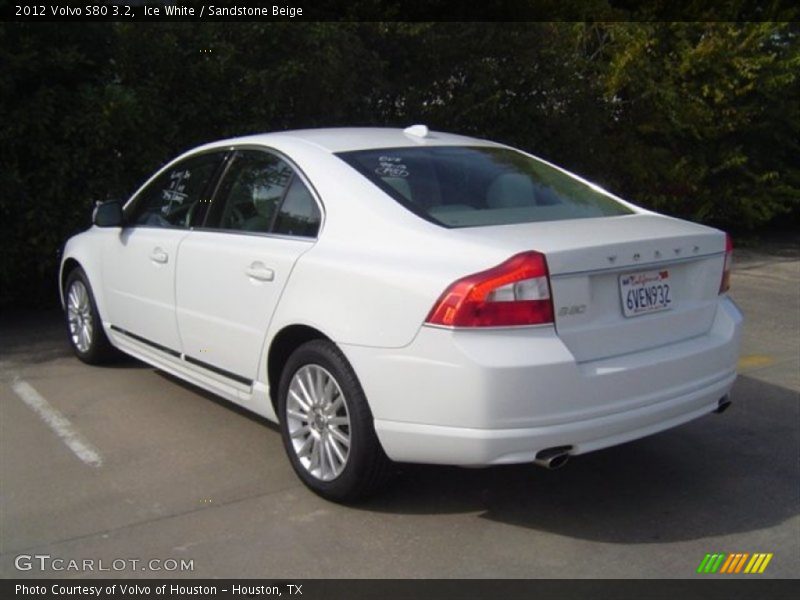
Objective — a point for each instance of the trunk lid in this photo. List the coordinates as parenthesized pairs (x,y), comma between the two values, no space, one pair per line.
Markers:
(591,262)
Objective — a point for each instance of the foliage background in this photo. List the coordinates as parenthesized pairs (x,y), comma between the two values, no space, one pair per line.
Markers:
(698,120)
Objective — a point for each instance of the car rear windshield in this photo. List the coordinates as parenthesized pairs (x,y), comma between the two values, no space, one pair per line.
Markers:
(456,186)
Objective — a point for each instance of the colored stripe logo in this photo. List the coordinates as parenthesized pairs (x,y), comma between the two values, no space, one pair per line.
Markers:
(736,562)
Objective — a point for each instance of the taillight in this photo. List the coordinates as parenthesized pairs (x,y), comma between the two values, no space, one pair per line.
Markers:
(725,284)
(516,292)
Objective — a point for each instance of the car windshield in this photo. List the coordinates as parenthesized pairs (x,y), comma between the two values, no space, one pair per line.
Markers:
(456,186)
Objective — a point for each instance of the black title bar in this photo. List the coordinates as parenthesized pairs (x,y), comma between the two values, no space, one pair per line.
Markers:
(399,10)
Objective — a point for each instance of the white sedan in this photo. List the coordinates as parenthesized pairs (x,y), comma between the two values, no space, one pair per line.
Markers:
(407,295)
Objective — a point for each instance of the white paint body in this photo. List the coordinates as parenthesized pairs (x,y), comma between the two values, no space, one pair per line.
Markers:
(466,397)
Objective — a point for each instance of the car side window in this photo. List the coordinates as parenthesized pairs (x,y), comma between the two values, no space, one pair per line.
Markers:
(178,196)
(299,214)
(251,192)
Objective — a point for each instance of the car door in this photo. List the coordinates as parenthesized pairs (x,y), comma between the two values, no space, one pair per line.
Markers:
(232,271)
(139,263)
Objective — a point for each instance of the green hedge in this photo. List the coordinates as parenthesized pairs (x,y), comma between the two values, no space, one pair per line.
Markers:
(698,120)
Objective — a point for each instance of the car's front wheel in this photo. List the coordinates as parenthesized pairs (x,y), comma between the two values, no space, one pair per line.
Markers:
(327,427)
(86,335)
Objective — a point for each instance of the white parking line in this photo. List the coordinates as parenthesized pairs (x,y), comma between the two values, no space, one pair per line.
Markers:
(57,422)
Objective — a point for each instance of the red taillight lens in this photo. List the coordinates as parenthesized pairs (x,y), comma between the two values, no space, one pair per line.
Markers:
(516,292)
(725,284)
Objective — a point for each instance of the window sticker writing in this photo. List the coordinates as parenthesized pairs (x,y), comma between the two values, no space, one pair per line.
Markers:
(175,191)
(391,166)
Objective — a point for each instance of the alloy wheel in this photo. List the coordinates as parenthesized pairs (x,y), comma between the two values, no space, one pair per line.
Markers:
(318,422)
(79,316)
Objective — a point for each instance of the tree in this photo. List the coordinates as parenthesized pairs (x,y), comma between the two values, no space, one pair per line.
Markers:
(695,119)
(707,120)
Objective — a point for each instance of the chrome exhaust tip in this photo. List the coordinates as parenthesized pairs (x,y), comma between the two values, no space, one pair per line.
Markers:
(553,458)
(723,405)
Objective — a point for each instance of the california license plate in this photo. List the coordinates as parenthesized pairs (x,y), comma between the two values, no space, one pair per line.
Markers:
(645,292)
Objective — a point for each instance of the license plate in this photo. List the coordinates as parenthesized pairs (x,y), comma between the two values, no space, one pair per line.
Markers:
(645,292)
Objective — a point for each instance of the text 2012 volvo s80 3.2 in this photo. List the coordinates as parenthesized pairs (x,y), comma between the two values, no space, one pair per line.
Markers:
(408,295)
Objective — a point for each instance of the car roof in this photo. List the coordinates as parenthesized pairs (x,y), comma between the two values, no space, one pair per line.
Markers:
(345,139)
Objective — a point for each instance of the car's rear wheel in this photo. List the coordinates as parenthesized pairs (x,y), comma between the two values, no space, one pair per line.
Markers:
(327,427)
(86,335)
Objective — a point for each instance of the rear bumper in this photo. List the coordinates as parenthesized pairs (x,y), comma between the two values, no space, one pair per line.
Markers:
(497,397)
(411,442)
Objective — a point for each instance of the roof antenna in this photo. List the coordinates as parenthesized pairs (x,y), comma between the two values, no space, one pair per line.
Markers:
(417,131)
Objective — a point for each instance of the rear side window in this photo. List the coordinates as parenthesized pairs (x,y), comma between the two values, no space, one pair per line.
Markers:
(262,193)
(456,186)
(251,192)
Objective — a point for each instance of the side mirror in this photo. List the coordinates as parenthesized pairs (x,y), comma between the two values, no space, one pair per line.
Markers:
(108,214)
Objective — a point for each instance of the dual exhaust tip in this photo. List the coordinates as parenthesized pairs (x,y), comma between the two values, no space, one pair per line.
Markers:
(553,458)
(557,457)
(723,404)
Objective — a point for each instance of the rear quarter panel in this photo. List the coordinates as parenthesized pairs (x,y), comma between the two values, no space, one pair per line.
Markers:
(377,269)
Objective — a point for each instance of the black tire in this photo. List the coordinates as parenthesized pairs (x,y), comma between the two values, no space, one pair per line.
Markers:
(99,349)
(367,467)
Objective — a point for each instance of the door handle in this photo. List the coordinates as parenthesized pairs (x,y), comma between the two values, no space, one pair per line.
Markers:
(259,271)
(159,256)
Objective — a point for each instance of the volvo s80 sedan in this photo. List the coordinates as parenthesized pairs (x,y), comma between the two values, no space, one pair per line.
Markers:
(408,295)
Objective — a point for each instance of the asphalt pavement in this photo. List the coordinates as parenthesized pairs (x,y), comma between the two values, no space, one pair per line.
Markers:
(125,463)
